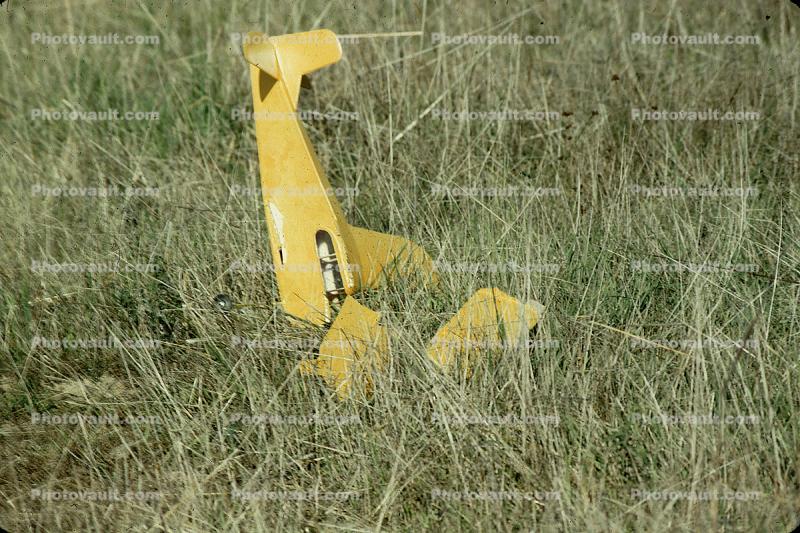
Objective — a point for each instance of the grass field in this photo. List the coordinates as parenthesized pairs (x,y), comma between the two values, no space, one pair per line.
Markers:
(662,396)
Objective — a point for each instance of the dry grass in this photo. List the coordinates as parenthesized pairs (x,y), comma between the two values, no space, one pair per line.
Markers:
(393,452)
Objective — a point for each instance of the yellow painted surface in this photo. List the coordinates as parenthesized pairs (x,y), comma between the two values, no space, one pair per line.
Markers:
(355,347)
(298,202)
(490,319)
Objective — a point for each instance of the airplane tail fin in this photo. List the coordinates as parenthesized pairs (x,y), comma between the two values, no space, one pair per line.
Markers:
(289,57)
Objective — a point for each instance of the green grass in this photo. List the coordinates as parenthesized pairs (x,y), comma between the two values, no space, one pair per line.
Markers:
(597,378)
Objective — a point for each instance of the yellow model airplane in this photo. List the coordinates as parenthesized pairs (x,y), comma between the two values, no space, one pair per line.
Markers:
(318,256)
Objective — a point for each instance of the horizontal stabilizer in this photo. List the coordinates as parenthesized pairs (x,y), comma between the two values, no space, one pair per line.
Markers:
(288,57)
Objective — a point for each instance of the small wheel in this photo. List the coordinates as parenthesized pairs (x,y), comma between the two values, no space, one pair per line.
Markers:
(223,302)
